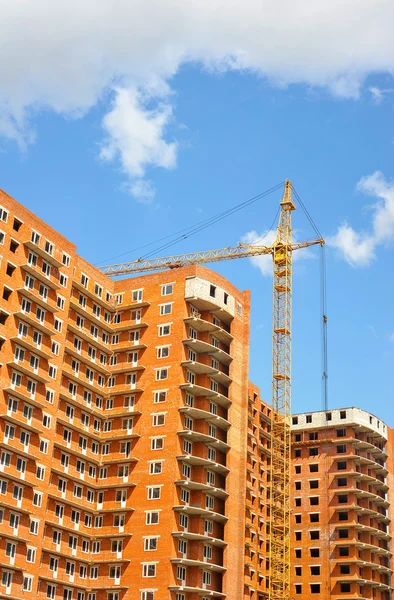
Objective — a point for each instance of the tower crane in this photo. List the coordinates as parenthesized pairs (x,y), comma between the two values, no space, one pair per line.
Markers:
(282,254)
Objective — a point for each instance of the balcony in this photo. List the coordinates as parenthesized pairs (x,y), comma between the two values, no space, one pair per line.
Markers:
(199,461)
(207,566)
(196,436)
(203,487)
(122,326)
(87,336)
(78,308)
(186,589)
(199,390)
(126,367)
(110,307)
(200,347)
(34,297)
(200,368)
(85,359)
(197,413)
(45,255)
(360,581)
(33,322)
(37,274)
(192,510)
(41,351)
(203,326)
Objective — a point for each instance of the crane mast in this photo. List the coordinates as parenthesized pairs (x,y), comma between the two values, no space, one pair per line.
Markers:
(282,254)
(279,584)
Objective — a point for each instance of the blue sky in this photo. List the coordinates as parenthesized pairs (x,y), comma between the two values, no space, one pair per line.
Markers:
(118,157)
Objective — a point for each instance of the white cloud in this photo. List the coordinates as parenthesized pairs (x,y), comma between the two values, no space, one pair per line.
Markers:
(267,238)
(378,94)
(65,56)
(359,248)
(134,137)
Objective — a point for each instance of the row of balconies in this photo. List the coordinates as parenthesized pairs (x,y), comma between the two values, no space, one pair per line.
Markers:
(199,371)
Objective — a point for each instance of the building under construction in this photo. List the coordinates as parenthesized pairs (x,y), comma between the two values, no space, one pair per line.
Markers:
(136,455)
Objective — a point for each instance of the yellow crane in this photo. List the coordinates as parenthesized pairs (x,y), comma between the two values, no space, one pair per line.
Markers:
(282,254)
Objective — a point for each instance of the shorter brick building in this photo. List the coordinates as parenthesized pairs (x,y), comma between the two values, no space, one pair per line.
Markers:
(341,542)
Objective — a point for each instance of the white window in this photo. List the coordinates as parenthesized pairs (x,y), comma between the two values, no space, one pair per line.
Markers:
(186,470)
(161,374)
(22,330)
(209,502)
(189,399)
(31,554)
(48,247)
(208,527)
(6,576)
(163,352)
(34,525)
(154,492)
(185,495)
(147,595)
(46,268)
(152,517)
(160,396)
(187,446)
(164,330)
(149,570)
(137,295)
(167,289)
(52,372)
(215,342)
(157,443)
(150,543)
(211,453)
(206,577)
(181,573)
(37,499)
(155,468)
(65,259)
(3,214)
(40,314)
(214,385)
(51,591)
(40,472)
(158,419)
(63,279)
(84,280)
(43,291)
(35,237)
(57,324)
(166,309)
(210,477)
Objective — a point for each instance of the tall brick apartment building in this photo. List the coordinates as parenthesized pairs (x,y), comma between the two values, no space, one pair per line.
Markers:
(134,454)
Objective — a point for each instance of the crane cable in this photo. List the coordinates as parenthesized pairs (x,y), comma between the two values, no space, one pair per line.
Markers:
(215,219)
(183,234)
(323,303)
(325,445)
